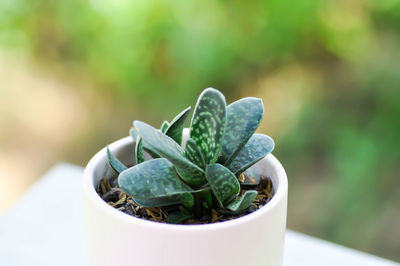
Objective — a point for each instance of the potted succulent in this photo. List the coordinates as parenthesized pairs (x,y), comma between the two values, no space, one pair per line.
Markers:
(208,195)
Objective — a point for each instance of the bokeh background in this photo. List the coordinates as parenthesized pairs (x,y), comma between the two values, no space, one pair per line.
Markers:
(74,74)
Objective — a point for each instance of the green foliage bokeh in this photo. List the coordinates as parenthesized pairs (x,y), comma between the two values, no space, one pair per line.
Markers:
(165,52)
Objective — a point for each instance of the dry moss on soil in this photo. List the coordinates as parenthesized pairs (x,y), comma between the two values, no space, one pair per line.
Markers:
(111,193)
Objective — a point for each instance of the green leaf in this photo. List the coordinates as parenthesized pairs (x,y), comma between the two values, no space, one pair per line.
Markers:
(156,178)
(208,123)
(193,177)
(208,199)
(115,163)
(134,134)
(223,183)
(166,147)
(178,217)
(242,119)
(205,205)
(164,126)
(159,202)
(187,200)
(244,202)
(175,129)
(193,153)
(258,146)
(139,151)
(205,197)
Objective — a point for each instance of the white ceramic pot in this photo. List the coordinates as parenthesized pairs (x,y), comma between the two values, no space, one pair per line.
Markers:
(114,238)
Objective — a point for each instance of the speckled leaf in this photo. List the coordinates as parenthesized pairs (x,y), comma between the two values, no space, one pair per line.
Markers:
(139,151)
(134,134)
(178,217)
(115,163)
(242,203)
(159,202)
(156,178)
(160,143)
(193,153)
(258,146)
(175,128)
(208,123)
(168,148)
(223,183)
(164,126)
(187,200)
(242,119)
(191,176)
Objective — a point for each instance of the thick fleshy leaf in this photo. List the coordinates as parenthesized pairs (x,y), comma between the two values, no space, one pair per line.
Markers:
(208,199)
(242,203)
(178,216)
(223,183)
(193,153)
(208,123)
(191,176)
(187,200)
(139,151)
(115,163)
(258,146)
(175,128)
(156,178)
(166,147)
(205,197)
(134,135)
(242,119)
(159,202)
(164,126)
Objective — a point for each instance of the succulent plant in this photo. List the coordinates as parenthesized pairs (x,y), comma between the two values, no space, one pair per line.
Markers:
(203,174)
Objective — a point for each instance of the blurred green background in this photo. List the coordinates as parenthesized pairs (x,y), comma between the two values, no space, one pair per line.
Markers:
(74,74)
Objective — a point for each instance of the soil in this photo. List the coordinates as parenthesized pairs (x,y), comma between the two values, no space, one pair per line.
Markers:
(111,193)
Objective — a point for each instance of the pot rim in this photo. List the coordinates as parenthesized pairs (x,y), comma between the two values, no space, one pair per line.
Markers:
(90,192)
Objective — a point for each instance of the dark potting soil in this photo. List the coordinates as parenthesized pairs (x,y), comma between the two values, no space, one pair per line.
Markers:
(111,193)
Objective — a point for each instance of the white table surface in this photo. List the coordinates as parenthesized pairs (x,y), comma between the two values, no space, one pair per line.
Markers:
(45,228)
